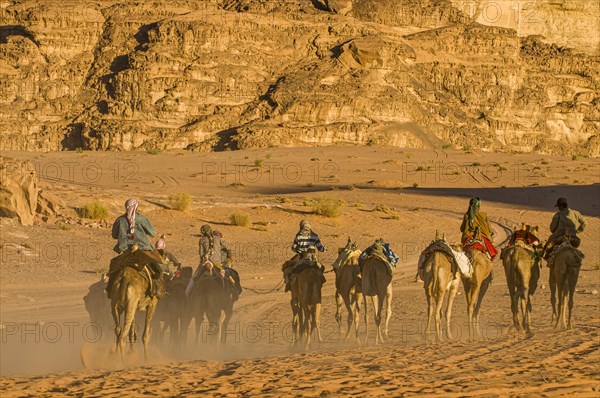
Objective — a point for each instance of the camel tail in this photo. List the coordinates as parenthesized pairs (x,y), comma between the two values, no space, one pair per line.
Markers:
(122,292)
(435,268)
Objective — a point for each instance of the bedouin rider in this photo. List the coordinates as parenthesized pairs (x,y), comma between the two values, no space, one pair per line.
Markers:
(167,256)
(386,250)
(304,239)
(473,220)
(211,247)
(565,221)
(129,229)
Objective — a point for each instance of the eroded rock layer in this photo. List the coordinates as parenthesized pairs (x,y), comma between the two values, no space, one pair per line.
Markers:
(211,75)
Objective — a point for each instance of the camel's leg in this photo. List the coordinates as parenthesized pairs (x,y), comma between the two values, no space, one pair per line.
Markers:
(470,305)
(356,312)
(451,296)
(146,336)
(186,319)
(220,319)
(561,293)
(439,300)
(388,302)
(511,279)
(430,310)
(308,320)
(132,335)
(228,313)
(301,323)
(317,321)
(117,318)
(295,321)
(365,304)
(198,319)
(378,302)
(514,307)
(524,301)
(479,297)
(552,283)
(130,309)
(350,318)
(572,276)
(471,302)
(338,312)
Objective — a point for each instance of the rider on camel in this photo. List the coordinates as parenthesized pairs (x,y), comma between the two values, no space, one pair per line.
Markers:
(211,248)
(304,240)
(475,220)
(131,230)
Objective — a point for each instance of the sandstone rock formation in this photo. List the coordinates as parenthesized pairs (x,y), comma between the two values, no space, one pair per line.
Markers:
(18,190)
(21,196)
(210,75)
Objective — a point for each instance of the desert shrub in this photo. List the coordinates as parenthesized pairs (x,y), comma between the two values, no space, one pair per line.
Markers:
(383,209)
(327,207)
(94,211)
(180,201)
(239,219)
(63,226)
(152,151)
(259,163)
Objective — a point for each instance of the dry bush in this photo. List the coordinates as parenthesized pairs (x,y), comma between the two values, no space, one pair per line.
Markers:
(180,201)
(239,219)
(94,211)
(327,207)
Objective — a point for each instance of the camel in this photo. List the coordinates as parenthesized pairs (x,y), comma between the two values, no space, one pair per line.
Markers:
(522,270)
(348,287)
(306,305)
(377,284)
(475,288)
(564,273)
(440,277)
(130,293)
(174,310)
(214,297)
(97,304)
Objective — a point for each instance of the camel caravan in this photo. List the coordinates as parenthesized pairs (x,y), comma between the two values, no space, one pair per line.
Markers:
(148,280)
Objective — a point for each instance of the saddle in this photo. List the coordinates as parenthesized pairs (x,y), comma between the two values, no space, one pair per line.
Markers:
(566,244)
(533,252)
(438,246)
(180,277)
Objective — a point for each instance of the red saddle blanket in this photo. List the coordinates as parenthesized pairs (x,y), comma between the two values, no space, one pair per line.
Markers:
(483,245)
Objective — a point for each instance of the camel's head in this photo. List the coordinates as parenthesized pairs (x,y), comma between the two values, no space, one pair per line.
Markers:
(534,229)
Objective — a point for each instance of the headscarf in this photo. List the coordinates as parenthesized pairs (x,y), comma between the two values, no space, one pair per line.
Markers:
(305,228)
(218,234)
(207,231)
(130,209)
(474,204)
(160,244)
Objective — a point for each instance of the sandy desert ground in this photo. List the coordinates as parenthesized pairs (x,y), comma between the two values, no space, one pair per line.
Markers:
(401,195)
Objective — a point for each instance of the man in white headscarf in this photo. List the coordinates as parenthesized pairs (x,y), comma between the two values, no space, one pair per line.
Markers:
(131,228)
(128,229)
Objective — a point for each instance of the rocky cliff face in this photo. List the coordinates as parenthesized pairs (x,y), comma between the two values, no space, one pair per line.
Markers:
(211,75)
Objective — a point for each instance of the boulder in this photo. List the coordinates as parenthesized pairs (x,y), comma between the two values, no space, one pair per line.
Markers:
(342,7)
(363,52)
(18,190)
